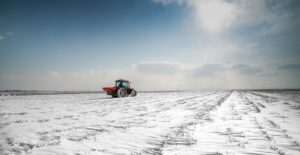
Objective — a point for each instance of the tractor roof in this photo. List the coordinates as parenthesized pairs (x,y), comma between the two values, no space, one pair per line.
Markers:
(121,80)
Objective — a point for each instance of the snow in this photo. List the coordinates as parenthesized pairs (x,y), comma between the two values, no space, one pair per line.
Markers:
(204,122)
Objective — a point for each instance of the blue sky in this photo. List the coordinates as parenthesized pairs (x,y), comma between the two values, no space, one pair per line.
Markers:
(63,33)
(157,44)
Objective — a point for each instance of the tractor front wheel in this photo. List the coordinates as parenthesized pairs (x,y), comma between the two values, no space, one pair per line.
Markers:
(133,93)
(122,92)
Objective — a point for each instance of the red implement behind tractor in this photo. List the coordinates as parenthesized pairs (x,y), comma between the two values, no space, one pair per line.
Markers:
(121,89)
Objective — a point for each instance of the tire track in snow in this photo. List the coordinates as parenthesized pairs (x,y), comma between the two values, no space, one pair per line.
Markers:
(275,134)
(254,104)
(158,141)
(264,131)
(180,135)
(160,107)
(235,130)
(284,133)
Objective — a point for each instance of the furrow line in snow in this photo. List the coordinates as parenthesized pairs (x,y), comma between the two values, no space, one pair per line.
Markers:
(180,135)
(267,99)
(166,105)
(281,95)
(271,141)
(257,109)
(284,133)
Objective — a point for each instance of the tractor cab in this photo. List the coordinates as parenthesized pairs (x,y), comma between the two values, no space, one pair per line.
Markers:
(122,83)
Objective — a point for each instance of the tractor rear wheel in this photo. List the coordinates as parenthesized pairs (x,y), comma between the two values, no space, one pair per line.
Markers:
(133,93)
(122,92)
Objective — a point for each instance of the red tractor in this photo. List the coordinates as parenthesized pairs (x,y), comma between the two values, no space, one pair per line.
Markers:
(121,89)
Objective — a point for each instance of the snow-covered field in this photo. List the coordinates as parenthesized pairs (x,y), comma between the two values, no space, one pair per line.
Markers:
(207,122)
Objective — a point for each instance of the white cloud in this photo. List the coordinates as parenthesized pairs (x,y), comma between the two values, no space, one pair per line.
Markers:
(2,37)
(206,70)
(218,15)
(10,33)
(214,15)
(165,2)
(246,69)
(164,68)
(289,67)
(53,74)
(176,69)
(6,35)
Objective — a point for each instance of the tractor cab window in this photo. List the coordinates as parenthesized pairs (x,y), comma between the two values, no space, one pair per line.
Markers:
(118,84)
(121,84)
(125,84)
